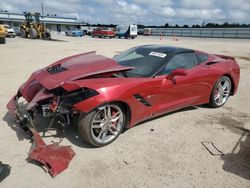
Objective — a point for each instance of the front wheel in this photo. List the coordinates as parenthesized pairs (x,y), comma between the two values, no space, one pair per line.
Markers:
(33,33)
(2,40)
(24,33)
(221,92)
(102,125)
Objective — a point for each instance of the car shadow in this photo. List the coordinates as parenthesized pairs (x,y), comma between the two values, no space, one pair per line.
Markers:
(70,132)
(238,160)
(57,131)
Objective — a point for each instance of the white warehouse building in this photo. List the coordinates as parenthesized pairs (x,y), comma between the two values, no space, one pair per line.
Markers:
(56,24)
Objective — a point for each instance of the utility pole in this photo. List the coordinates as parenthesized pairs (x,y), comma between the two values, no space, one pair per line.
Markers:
(42,9)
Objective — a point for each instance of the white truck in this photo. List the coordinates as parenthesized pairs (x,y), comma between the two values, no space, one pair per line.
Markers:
(126,31)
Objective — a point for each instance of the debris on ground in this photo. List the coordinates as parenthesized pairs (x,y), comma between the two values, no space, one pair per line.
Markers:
(53,157)
(211,148)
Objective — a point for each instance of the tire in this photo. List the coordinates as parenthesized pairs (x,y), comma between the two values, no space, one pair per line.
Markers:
(2,40)
(221,92)
(102,131)
(23,33)
(46,35)
(33,33)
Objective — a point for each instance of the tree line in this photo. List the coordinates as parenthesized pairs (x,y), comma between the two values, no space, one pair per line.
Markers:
(167,25)
(203,25)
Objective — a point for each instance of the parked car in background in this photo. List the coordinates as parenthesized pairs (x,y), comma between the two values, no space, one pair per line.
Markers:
(103,32)
(126,31)
(140,32)
(88,30)
(2,34)
(147,32)
(17,31)
(10,31)
(74,32)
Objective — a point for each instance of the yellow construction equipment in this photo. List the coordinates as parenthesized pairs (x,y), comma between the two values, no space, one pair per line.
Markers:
(3,33)
(33,27)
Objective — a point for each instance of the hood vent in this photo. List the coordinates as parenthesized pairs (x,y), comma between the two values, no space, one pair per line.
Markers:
(56,69)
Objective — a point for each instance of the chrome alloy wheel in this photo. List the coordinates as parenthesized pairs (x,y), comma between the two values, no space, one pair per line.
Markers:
(222,91)
(107,123)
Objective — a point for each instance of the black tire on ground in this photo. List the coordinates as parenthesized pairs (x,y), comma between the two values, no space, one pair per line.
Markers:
(33,33)
(212,102)
(2,40)
(85,123)
(23,33)
(46,35)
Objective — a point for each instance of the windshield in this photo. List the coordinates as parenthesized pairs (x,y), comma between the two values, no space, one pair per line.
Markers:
(106,29)
(122,29)
(146,60)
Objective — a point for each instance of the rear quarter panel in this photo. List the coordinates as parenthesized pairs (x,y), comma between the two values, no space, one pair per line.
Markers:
(227,67)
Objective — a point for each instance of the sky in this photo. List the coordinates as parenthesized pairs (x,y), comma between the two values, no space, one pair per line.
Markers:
(147,12)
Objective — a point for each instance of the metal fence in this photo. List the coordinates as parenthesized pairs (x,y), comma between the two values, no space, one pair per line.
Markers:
(241,33)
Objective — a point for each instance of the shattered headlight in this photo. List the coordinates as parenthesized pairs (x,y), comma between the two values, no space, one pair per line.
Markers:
(76,96)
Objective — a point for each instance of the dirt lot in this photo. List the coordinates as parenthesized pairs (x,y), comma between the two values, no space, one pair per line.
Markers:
(164,152)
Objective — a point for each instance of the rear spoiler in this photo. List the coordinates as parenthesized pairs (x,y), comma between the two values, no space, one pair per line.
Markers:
(224,56)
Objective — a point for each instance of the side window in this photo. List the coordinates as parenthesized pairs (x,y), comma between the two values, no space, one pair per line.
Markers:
(183,60)
(201,57)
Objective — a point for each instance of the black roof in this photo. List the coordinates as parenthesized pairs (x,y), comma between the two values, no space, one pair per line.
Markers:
(167,49)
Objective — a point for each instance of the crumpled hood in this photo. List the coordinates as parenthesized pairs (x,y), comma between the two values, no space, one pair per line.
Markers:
(74,68)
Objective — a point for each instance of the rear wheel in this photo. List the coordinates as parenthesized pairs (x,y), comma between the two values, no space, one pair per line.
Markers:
(46,35)
(221,92)
(2,40)
(102,125)
(33,33)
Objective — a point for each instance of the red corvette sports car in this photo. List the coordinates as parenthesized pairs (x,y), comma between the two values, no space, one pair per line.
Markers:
(107,95)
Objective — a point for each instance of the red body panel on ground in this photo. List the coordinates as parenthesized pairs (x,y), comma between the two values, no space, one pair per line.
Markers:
(54,157)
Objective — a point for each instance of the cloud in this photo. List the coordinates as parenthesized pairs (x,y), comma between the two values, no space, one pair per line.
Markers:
(194,4)
(147,12)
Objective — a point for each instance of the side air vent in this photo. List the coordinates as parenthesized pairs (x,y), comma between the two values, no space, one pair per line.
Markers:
(142,100)
(56,69)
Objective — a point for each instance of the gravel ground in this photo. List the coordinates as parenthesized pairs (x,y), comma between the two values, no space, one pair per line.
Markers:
(164,152)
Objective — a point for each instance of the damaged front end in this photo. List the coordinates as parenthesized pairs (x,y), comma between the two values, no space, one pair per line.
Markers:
(56,104)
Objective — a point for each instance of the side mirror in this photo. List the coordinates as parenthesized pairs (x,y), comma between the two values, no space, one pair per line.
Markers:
(177,72)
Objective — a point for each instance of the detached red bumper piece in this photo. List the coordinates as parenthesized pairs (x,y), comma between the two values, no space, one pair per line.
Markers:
(54,157)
